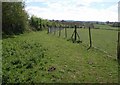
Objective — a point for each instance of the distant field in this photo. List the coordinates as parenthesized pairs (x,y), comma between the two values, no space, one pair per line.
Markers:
(99,26)
(104,40)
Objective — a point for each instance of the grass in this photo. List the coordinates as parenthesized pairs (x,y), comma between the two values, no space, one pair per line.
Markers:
(27,58)
(105,26)
(103,40)
(0,61)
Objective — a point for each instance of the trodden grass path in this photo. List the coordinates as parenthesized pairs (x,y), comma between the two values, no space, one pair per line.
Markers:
(72,62)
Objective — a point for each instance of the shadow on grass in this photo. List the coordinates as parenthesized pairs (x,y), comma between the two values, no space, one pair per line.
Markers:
(8,36)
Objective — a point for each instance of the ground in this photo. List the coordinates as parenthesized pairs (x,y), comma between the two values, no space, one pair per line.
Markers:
(29,58)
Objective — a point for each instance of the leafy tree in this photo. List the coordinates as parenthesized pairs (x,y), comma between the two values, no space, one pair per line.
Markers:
(14,18)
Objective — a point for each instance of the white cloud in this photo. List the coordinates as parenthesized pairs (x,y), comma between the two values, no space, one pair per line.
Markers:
(74,10)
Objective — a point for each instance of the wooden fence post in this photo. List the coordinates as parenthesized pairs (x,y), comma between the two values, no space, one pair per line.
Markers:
(65,32)
(118,48)
(59,31)
(118,53)
(90,37)
(48,29)
(54,30)
(75,32)
(40,24)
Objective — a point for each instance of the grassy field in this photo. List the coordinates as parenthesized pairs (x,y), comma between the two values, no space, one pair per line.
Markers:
(103,40)
(30,57)
(105,26)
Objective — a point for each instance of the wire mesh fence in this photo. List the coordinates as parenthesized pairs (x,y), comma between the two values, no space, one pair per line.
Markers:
(102,39)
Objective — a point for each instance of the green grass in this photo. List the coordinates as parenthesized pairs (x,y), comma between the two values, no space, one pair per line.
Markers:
(103,40)
(0,61)
(27,58)
(100,26)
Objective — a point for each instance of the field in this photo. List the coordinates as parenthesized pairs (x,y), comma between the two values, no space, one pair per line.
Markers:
(103,40)
(30,58)
(100,26)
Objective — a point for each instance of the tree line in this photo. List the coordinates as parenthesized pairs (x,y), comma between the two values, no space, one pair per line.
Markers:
(15,20)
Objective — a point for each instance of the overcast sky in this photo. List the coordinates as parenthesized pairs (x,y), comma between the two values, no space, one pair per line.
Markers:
(82,10)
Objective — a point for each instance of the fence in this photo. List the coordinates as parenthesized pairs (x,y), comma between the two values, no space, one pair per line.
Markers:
(101,39)
(118,46)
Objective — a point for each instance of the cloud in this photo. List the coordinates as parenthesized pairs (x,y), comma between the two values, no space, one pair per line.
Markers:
(73,10)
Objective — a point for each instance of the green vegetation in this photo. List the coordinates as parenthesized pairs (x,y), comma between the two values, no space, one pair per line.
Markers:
(38,57)
(14,18)
(105,26)
(0,61)
(103,40)
(21,56)
(27,58)
(40,24)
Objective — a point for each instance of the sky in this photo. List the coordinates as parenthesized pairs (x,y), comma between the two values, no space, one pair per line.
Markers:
(80,10)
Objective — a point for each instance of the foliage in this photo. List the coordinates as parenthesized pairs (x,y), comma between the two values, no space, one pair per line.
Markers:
(41,24)
(19,57)
(14,18)
(116,24)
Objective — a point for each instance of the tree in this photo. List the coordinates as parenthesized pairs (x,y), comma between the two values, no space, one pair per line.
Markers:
(14,18)
(107,22)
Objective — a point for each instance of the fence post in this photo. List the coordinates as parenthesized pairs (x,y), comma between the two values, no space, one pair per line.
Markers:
(59,31)
(65,32)
(75,32)
(54,30)
(118,47)
(40,24)
(90,37)
(48,29)
(118,52)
